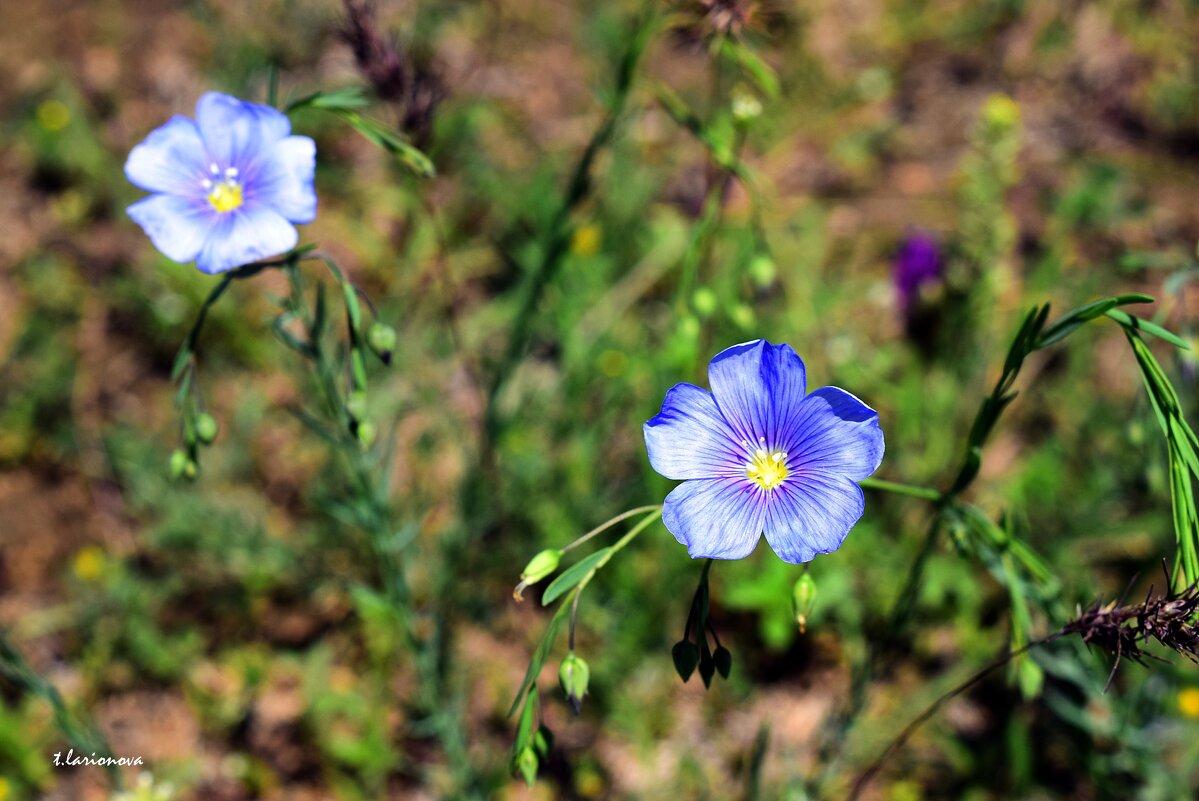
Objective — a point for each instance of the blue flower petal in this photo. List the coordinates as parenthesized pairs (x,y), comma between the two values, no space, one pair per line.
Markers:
(719,518)
(177,226)
(758,387)
(170,159)
(284,181)
(811,514)
(235,132)
(835,433)
(689,438)
(245,235)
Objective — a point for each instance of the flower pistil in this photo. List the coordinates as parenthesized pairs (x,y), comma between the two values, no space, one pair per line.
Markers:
(224,194)
(766,468)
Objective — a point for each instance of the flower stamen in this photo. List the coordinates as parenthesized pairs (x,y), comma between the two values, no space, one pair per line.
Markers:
(224,196)
(767,468)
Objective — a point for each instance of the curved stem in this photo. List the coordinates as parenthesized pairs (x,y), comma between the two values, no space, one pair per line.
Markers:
(556,240)
(911,490)
(872,770)
(602,527)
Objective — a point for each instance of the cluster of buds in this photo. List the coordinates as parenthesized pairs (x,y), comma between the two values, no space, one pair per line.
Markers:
(198,429)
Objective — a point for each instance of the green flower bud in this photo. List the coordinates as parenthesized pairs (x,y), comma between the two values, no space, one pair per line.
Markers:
(803,599)
(573,675)
(366,433)
(763,270)
(382,339)
(742,316)
(538,568)
(704,300)
(206,428)
(543,742)
(526,765)
(356,405)
(1001,113)
(178,464)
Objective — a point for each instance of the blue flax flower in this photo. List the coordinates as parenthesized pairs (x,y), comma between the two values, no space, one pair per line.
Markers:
(758,454)
(228,186)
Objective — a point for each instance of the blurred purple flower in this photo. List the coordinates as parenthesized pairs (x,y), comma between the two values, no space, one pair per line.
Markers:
(917,263)
(759,455)
(228,186)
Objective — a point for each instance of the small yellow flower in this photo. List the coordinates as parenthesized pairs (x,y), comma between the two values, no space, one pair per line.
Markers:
(53,115)
(5,789)
(89,563)
(1001,112)
(1188,702)
(586,240)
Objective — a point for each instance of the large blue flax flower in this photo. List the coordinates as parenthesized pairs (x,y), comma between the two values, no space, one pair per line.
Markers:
(758,454)
(228,186)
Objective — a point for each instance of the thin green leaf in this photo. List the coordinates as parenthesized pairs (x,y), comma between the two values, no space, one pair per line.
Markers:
(1138,324)
(573,575)
(761,73)
(349,98)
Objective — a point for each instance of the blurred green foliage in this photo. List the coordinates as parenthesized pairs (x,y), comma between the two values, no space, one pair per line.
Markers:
(1050,146)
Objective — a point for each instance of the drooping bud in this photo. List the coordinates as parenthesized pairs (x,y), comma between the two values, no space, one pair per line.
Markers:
(526,765)
(182,465)
(723,660)
(382,339)
(366,433)
(538,568)
(803,599)
(686,657)
(543,742)
(206,428)
(574,675)
(356,405)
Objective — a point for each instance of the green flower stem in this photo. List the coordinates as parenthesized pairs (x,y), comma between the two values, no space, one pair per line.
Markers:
(655,513)
(434,702)
(556,240)
(78,730)
(602,527)
(911,490)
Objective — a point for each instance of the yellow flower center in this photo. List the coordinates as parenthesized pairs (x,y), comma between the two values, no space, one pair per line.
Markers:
(225,196)
(767,468)
(224,193)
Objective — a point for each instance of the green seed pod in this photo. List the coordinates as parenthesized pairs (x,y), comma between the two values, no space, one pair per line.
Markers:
(543,742)
(803,599)
(366,433)
(356,405)
(574,675)
(538,568)
(178,464)
(206,428)
(526,765)
(704,301)
(541,565)
(763,270)
(382,339)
